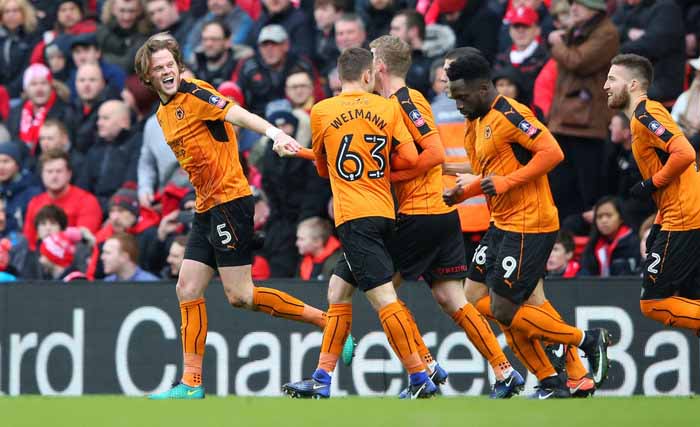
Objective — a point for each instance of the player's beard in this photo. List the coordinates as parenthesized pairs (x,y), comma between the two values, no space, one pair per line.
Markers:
(619,101)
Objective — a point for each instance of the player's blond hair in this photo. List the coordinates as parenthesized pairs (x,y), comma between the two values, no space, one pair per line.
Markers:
(393,52)
(160,41)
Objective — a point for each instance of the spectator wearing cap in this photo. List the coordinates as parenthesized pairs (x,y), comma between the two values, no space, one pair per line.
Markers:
(409,26)
(123,29)
(92,92)
(49,220)
(544,20)
(113,159)
(239,24)
(120,255)
(263,76)
(325,52)
(84,50)
(125,216)
(165,17)
(70,19)
(57,57)
(17,185)
(527,55)
(57,253)
(42,103)
(654,29)
(473,22)
(18,24)
(81,207)
(686,110)
(293,188)
(579,115)
(295,23)
(214,60)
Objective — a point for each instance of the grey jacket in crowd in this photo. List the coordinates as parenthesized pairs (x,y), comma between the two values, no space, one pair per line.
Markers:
(157,163)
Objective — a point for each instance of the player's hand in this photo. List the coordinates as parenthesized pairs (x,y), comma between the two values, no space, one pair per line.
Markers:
(285,145)
(643,189)
(493,185)
(168,224)
(450,196)
(465,179)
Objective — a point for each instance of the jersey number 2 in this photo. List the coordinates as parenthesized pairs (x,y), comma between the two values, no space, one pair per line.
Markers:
(345,155)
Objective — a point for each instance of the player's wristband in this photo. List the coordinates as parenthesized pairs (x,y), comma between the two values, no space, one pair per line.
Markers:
(272,132)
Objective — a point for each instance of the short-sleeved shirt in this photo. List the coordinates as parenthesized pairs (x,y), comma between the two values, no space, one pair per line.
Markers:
(421,195)
(204,143)
(652,130)
(356,132)
(500,143)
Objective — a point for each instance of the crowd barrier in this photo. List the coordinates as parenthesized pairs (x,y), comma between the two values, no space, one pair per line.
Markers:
(92,338)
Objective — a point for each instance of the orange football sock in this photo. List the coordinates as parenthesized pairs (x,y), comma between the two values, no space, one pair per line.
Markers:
(281,304)
(481,335)
(339,322)
(423,351)
(397,327)
(483,306)
(674,311)
(193,330)
(539,324)
(529,352)
(574,367)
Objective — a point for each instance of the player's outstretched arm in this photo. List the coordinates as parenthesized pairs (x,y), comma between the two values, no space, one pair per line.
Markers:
(456,168)
(284,145)
(546,155)
(432,155)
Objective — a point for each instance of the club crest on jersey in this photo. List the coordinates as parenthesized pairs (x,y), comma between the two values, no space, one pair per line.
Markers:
(527,127)
(217,101)
(416,118)
(657,128)
(487,132)
(179,113)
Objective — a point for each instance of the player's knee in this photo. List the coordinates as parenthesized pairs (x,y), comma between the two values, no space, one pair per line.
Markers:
(502,313)
(475,291)
(339,291)
(239,298)
(187,291)
(647,307)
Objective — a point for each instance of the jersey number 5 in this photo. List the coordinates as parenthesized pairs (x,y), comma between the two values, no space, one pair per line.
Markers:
(345,155)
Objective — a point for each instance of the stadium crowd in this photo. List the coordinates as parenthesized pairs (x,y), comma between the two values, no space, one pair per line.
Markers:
(89,189)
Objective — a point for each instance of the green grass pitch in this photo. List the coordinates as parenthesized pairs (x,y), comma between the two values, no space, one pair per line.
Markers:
(108,411)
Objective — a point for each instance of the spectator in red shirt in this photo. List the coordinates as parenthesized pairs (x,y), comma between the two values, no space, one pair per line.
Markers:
(81,207)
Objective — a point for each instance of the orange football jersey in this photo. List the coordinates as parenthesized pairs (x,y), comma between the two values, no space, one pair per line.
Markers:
(678,202)
(500,144)
(421,195)
(204,143)
(356,132)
